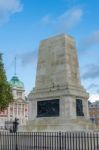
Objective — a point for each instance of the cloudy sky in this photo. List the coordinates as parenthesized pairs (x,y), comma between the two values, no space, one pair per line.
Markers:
(23,24)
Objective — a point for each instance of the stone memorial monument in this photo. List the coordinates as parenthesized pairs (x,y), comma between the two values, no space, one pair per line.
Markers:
(58,102)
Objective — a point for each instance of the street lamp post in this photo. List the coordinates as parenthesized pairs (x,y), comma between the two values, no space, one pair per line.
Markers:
(15,128)
(12,126)
(15,125)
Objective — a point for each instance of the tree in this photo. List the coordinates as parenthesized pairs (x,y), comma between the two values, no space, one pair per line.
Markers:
(5,88)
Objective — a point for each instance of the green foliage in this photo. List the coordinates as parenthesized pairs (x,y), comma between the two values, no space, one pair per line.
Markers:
(5,89)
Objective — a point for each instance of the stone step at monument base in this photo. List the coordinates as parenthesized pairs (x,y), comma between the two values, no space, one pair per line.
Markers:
(56,125)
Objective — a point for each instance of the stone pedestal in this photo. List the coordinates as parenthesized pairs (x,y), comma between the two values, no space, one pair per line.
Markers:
(53,101)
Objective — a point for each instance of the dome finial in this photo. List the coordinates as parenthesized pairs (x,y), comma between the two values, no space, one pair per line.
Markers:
(15,66)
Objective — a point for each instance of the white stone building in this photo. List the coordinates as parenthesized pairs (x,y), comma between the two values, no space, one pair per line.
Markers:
(19,107)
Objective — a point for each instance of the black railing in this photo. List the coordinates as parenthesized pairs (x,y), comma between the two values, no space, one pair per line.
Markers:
(50,141)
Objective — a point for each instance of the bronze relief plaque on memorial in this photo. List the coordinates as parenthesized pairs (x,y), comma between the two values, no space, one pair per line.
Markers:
(48,108)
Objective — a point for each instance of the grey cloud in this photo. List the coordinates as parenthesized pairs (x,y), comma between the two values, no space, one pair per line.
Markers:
(65,21)
(91,40)
(28,58)
(92,86)
(92,72)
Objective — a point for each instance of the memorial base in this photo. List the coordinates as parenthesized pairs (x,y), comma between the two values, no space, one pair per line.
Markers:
(57,124)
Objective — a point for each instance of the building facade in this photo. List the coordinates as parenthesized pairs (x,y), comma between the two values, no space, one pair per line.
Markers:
(18,108)
(94,112)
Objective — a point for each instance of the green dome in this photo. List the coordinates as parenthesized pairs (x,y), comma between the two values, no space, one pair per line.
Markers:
(15,82)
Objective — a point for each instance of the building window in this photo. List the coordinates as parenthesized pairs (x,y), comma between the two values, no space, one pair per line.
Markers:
(19,94)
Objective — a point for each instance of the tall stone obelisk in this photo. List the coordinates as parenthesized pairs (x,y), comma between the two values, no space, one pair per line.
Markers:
(58,102)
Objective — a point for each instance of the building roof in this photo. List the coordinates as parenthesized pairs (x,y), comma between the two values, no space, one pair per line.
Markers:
(15,82)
